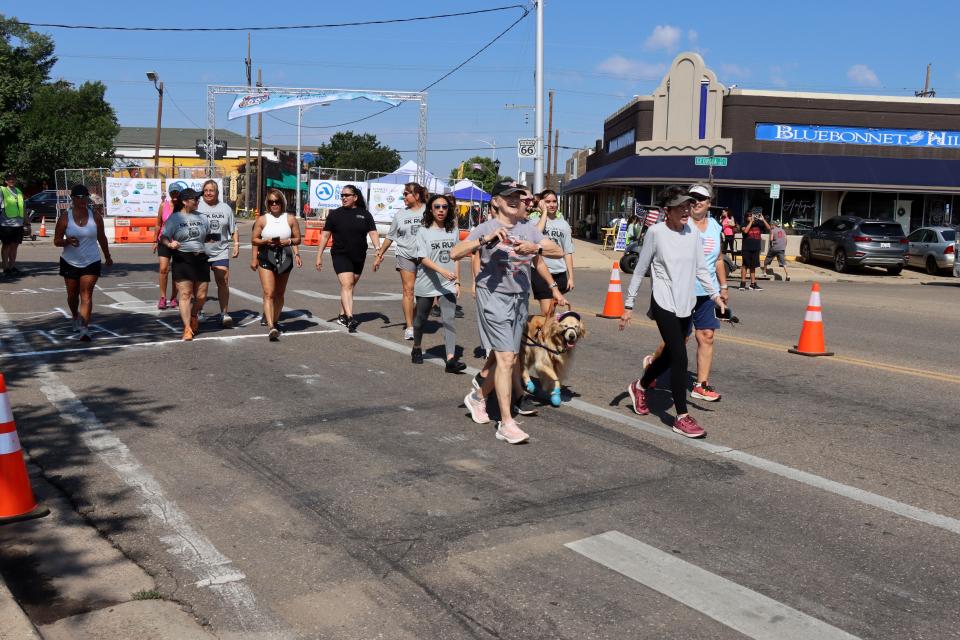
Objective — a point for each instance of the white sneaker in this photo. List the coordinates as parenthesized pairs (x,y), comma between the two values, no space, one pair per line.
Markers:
(510,433)
(477,408)
(408,333)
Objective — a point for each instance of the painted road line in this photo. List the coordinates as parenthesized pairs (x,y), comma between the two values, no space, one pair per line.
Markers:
(812,480)
(191,548)
(752,614)
(382,296)
(779,348)
(156,343)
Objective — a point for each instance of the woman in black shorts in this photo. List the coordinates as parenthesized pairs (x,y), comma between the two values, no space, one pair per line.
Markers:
(79,232)
(276,234)
(184,233)
(350,225)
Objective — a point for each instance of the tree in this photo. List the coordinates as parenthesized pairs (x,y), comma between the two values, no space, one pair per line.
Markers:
(26,58)
(347,150)
(481,170)
(64,127)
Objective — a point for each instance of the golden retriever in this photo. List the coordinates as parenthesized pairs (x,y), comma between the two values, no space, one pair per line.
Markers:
(547,350)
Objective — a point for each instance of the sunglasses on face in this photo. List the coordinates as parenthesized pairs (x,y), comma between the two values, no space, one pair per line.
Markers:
(442,207)
(348,195)
(273,202)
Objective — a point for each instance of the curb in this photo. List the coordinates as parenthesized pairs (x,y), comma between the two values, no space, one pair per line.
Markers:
(14,623)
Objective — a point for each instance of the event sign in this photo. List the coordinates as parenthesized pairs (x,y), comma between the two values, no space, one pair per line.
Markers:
(193,183)
(133,197)
(855,135)
(325,194)
(385,201)
(248,104)
(621,242)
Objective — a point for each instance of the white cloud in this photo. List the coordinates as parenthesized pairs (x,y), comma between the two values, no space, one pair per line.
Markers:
(734,71)
(618,65)
(693,37)
(663,37)
(863,75)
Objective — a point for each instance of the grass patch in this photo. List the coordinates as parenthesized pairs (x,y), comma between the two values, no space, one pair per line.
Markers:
(146,594)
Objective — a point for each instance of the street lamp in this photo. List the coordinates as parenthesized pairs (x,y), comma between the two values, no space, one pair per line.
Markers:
(158,85)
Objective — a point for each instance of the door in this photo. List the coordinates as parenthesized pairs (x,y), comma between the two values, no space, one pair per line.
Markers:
(916,249)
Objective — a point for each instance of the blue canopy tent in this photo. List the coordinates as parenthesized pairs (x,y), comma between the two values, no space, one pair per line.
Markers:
(472,193)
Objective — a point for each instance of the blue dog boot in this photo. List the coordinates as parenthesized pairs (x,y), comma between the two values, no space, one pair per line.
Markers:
(531,388)
(555,397)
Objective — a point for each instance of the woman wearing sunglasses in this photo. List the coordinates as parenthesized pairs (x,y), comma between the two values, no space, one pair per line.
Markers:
(350,225)
(184,234)
(403,232)
(276,234)
(438,276)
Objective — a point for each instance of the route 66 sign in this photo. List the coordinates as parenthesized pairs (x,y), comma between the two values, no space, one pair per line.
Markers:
(527,148)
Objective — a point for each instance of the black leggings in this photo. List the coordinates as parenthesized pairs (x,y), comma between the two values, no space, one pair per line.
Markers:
(448,305)
(728,244)
(673,330)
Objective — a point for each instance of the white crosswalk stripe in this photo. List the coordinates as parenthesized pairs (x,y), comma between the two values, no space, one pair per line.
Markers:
(752,614)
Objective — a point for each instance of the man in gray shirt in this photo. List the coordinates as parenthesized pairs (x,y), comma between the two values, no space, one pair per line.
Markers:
(777,248)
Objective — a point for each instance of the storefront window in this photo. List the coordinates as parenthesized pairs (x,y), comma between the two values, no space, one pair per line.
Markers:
(856,203)
(883,206)
(797,210)
(753,198)
(937,210)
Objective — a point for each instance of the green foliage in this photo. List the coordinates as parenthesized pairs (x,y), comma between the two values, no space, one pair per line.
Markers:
(64,127)
(45,126)
(26,58)
(486,176)
(347,150)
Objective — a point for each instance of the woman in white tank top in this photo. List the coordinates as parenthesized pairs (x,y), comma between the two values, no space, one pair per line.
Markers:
(276,235)
(80,233)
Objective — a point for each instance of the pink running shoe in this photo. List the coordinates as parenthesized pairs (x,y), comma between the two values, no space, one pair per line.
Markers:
(477,408)
(638,398)
(162,303)
(511,433)
(687,426)
(173,304)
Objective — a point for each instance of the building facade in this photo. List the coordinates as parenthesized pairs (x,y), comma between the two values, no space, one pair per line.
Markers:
(886,157)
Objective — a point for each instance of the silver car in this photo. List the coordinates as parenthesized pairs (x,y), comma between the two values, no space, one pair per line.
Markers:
(933,248)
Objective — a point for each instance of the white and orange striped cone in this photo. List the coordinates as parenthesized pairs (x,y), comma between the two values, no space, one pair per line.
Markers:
(613,305)
(43,226)
(16,497)
(811,341)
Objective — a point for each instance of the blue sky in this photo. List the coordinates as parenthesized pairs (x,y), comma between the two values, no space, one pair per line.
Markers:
(598,54)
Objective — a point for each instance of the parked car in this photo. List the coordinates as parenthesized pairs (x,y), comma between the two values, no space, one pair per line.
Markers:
(851,241)
(933,248)
(42,204)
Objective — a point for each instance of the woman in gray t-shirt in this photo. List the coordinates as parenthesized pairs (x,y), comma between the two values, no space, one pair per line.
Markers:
(438,276)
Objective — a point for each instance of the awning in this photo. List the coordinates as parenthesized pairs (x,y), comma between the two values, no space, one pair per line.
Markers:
(753,170)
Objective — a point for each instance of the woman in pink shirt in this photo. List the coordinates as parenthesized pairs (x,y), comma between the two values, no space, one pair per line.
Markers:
(166,209)
(729,226)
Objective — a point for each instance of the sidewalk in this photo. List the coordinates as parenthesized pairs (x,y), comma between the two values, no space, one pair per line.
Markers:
(60,580)
(590,255)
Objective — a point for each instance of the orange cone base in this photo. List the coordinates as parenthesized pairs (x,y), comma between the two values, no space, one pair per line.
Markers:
(38,511)
(808,354)
(601,315)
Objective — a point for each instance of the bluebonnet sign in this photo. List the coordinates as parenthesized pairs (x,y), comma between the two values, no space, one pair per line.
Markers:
(854,135)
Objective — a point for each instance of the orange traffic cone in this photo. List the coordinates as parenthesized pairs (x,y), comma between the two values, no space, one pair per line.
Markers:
(613,306)
(811,341)
(16,497)
(43,227)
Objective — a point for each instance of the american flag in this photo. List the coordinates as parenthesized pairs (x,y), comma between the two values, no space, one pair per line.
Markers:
(709,244)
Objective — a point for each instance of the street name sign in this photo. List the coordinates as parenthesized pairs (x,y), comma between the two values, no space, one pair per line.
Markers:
(704,161)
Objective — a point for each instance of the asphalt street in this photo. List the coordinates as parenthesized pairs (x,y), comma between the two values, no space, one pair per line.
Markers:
(325,487)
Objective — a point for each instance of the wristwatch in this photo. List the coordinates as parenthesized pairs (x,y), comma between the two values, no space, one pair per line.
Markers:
(539,251)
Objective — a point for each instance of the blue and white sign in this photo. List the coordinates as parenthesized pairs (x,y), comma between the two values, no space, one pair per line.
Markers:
(855,135)
(247,104)
(325,194)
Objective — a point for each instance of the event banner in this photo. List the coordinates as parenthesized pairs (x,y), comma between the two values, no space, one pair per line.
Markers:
(248,104)
(385,200)
(325,194)
(857,135)
(133,197)
(193,183)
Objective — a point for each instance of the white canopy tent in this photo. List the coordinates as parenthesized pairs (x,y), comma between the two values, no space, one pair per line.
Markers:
(410,171)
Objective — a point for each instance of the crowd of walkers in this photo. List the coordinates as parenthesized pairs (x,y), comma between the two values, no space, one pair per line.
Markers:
(524,247)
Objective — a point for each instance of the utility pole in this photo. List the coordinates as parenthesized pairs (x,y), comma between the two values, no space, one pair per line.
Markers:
(259,144)
(246,190)
(158,85)
(538,159)
(556,153)
(549,180)
(927,91)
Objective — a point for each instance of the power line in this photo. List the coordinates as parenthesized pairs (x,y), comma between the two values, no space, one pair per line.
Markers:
(182,112)
(526,12)
(281,27)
